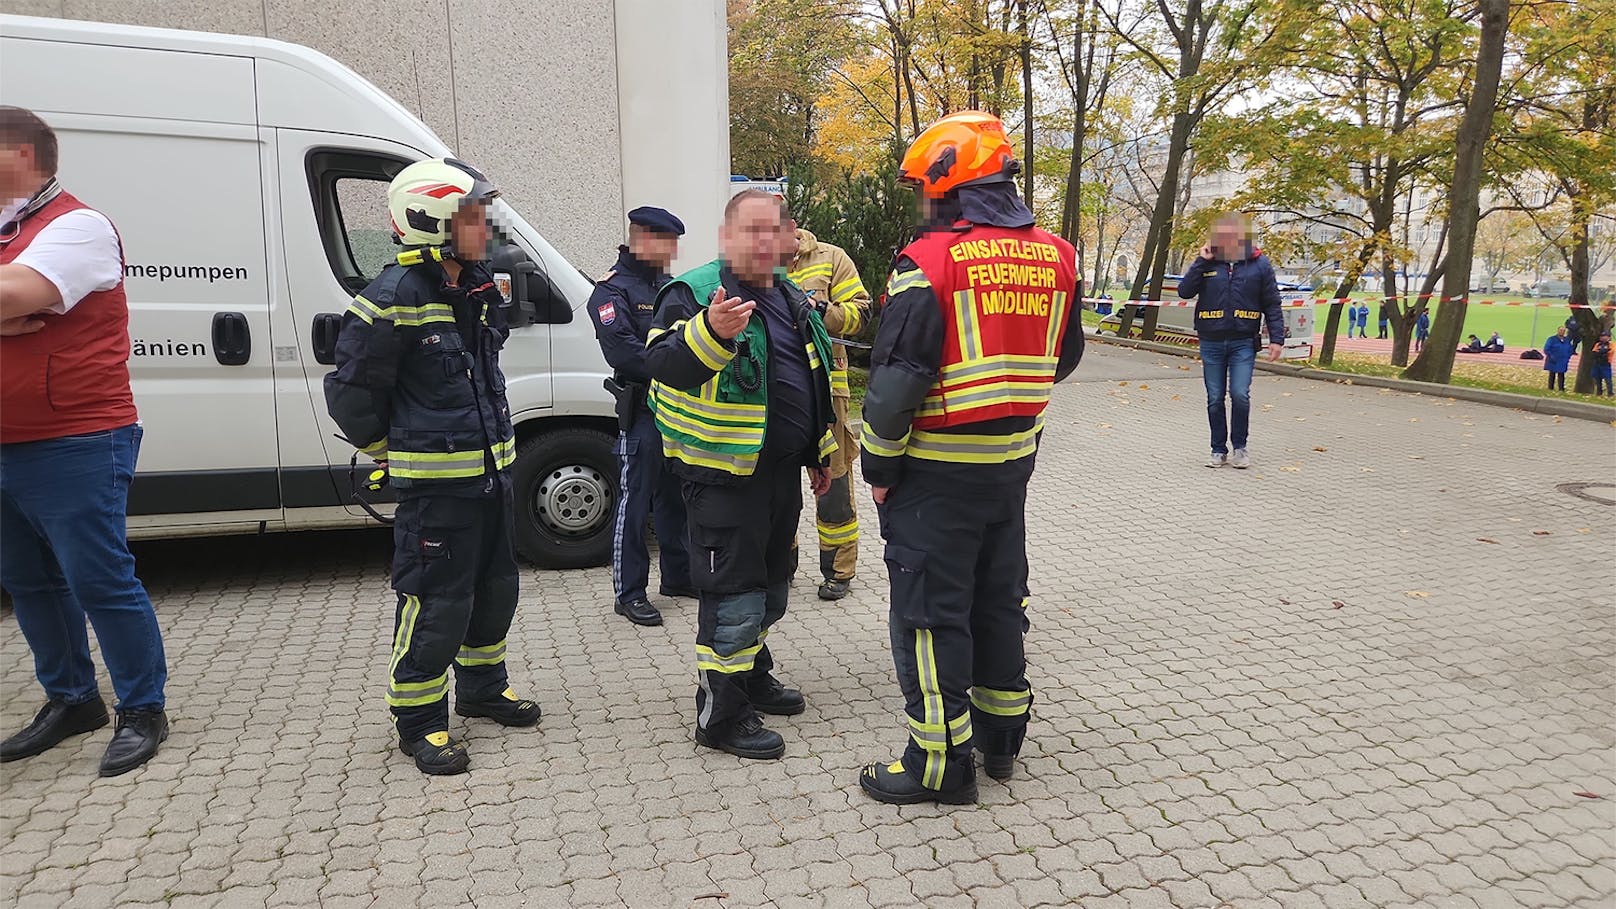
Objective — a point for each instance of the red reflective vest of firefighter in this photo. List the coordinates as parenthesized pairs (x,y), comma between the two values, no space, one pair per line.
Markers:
(1006,295)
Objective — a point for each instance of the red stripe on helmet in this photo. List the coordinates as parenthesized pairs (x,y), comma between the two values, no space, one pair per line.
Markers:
(436,190)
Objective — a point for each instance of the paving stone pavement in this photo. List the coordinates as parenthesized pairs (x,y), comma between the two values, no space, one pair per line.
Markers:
(1374,670)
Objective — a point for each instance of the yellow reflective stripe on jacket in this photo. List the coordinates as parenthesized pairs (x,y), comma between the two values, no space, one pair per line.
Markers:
(846,290)
(909,280)
(838,384)
(376,451)
(710,660)
(706,345)
(974,449)
(817,270)
(813,355)
(401,315)
(882,448)
(1001,703)
(504,453)
(827,445)
(741,465)
(487,655)
(852,321)
(424,465)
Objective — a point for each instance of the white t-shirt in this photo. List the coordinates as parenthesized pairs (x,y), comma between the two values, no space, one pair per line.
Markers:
(78,252)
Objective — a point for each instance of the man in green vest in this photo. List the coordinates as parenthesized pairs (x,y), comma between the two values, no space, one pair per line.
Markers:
(739,361)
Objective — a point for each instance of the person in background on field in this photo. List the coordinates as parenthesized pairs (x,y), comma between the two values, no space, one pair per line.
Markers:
(1235,293)
(69,438)
(1495,344)
(1573,331)
(1384,322)
(1557,352)
(1601,369)
(1471,346)
(1363,320)
(1422,330)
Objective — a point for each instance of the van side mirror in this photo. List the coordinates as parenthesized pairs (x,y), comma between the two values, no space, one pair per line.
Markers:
(530,298)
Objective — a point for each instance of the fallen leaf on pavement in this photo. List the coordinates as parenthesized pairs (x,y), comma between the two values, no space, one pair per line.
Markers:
(1540,533)
(1123,384)
(1416,457)
(1285,601)
(1584,530)
(1175,397)
(1291,469)
(1485,540)
(1336,604)
(1143,386)
(1320,448)
(1588,795)
(1416,594)
(1284,394)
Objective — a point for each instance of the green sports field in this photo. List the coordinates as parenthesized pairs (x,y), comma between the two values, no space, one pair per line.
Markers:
(1515,323)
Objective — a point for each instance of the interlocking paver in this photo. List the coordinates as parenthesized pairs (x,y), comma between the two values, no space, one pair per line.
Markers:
(1209,728)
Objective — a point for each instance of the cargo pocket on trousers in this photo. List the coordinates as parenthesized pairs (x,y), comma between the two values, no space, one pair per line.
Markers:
(425,562)
(906,568)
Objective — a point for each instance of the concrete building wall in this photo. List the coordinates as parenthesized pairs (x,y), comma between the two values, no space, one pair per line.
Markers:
(528,92)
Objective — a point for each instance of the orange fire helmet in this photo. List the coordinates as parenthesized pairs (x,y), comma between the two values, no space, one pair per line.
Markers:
(956,150)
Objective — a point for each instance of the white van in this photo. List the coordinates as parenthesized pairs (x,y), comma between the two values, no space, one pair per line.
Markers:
(246,177)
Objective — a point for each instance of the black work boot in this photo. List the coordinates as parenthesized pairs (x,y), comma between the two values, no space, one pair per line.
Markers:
(139,733)
(55,721)
(745,738)
(640,612)
(506,710)
(999,766)
(834,588)
(437,754)
(893,784)
(769,696)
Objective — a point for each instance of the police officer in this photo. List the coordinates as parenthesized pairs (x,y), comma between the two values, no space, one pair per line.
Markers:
(979,322)
(621,307)
(739,361)
(418,388)
(827,274)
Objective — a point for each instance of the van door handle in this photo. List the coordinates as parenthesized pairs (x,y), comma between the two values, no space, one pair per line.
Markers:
(232,339)
(323,337)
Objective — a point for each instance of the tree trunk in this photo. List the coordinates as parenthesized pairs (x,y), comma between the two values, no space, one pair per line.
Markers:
(1147,280)
(1026,104)
(1435,363)
(1332,322)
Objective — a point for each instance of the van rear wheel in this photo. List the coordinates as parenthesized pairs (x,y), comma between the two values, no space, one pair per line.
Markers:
(566,497)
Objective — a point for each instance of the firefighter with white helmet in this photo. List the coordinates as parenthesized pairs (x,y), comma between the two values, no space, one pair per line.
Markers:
(418,389)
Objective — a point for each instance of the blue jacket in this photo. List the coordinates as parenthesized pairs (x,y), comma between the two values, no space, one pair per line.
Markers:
(1557,353)
(621,308)
(1233,298)
(1422,325)
(1363,315)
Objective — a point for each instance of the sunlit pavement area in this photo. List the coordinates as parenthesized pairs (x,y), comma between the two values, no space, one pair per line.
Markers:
(1376,669)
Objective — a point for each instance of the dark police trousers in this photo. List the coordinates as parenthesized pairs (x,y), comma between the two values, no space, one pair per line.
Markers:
(743,554)
(455,572)
(957,561)
(648,489)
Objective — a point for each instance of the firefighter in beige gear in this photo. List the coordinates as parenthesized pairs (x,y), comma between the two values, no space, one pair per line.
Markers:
(826,273)
(980,320)
(418,388)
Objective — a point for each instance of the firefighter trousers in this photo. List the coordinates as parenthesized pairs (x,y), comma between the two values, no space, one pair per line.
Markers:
(957,561)
(835,513)
(743,554)
(454,568)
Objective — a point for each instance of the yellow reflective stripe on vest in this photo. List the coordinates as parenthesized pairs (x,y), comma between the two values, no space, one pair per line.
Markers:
(741,465)
(968,324)
(995,365)
(716,433)
(882,448)
(1001,703)
(705,404)
(974,449)
(990,394)
(710,660)
(487,655)
(705,345)
(1056,308)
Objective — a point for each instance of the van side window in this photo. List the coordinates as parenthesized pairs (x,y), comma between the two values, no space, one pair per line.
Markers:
(350,205)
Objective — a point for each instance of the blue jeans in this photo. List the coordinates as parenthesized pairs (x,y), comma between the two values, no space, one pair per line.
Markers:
(64,558)
(1226,368)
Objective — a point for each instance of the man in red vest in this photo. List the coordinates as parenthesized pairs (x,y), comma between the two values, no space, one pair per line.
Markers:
(69,437)
(980,320)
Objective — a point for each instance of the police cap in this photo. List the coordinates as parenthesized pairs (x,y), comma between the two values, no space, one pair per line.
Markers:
(658,219)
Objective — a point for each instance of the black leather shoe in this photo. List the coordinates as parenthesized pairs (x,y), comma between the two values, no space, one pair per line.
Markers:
(999,766)
(640,612)
(892,784)
(834,589)
(506,710)
(437,754)
(747,738)
(679,590)
(55,721)
(769,696)
(139,733)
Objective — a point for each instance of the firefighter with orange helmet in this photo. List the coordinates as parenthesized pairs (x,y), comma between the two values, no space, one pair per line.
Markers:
(979,322)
